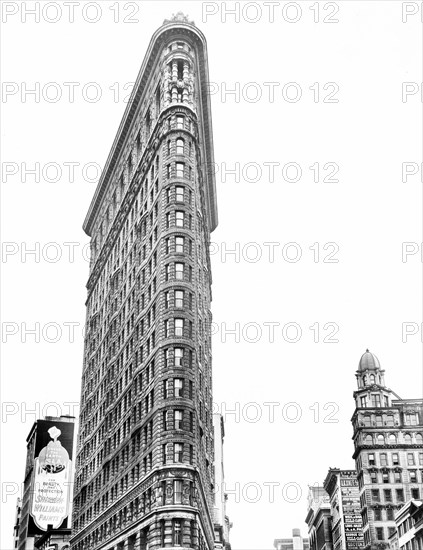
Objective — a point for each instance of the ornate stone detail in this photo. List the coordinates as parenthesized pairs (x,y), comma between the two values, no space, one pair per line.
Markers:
(179,17)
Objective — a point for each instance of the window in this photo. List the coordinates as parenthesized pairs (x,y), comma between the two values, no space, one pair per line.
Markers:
(179,354)
(363,401)
(380,439)
(375,399)
(179,298)
(179,271)
(177,491)
(395,459)
(413,476)
(400,495)
(179,218)
(180,168)
(180,122)
(375,495)
(166,358)
(392,439)
(379,421)
(373,477)
(389,420)
(372,460)
(179,327)
(420,459)
(389,514)
(368,439)
(179,146)
(387,493)
(379,533)
(415,493)
(407,439)
(167,328)
(178,387)
(178,420)
(419,439)
(167,300)
(410,459)
(385,477)
(167,273)
(179,193)
(177,538)
(383,459)
(411,419)
(179,245)
(378,514)
(397,477)
(178,449)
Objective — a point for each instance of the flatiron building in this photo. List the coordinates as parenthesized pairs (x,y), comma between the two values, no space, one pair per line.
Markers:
(145,456)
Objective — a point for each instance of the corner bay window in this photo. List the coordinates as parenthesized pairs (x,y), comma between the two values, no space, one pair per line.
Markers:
(178,450)
(179,218)
(179,355)
(180,169)
(178,419)
(179,244)
(177,536)
(179,298)
(178,387)
(179,327)
(179,271)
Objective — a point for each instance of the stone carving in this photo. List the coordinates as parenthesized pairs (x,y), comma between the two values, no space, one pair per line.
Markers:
(180,17)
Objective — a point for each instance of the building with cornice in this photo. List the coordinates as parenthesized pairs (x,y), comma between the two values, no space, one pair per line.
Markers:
(145,460)
(319,519)
(388,443)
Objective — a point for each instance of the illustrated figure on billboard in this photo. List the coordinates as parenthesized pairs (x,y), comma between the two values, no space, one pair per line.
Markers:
(53,458)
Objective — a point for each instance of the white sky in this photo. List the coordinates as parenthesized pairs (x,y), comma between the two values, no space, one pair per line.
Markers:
(369,213)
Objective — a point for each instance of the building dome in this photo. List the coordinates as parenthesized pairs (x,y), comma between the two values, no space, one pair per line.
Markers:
(368,361)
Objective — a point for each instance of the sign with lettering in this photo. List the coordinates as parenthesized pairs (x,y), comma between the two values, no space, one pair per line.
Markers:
(52,475)
(350,498)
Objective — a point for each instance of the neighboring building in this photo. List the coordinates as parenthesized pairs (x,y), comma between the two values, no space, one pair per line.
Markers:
(294,543)
(221,521)
(145,463)
(319,519)
(343,491)
(388,441)
(54,539)
(409,526)
(17,523)
(47,492)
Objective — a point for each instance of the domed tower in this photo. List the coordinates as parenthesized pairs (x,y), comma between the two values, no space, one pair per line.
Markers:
(371,383)
(388,444)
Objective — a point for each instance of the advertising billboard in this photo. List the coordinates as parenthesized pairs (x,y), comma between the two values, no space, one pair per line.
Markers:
(350,497)
(52,474)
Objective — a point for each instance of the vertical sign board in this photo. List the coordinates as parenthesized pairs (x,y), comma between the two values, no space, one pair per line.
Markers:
(52,474)
(350,496)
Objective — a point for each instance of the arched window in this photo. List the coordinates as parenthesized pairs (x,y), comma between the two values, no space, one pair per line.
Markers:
(419,439)
(372,379)
(380,439)
(179,146)
(365,380)
(368,439)
(392,439)
(408,439)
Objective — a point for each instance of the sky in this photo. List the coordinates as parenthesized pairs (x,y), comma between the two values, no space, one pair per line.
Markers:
(317,114)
